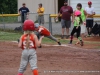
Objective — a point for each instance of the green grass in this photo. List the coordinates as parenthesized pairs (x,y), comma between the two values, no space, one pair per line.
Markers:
(9,36)
(10,19)
(49,41)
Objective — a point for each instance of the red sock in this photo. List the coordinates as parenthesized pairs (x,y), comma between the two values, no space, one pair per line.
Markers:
(71,37)
(35,72)
(20,74)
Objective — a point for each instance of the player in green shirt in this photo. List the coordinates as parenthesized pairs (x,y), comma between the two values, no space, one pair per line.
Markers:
(77,28)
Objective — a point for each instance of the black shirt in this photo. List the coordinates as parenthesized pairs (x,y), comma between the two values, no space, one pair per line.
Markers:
(24,10)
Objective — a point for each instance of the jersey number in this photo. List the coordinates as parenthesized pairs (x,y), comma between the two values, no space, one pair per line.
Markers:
(30,44)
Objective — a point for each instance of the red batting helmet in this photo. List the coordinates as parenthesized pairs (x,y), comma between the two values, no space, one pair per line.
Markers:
(28,25)
(89,3)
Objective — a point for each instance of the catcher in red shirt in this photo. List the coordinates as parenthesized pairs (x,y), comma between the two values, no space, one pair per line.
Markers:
(42,31)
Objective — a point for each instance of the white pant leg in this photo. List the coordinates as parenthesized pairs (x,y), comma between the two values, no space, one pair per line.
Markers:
(24,61)
(33,59)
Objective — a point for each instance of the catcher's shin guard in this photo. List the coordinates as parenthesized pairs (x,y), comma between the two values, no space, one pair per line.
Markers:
(35,72)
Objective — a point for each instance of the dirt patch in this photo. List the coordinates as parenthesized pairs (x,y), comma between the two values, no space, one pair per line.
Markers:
(96,39)
(89,43)
(51,60)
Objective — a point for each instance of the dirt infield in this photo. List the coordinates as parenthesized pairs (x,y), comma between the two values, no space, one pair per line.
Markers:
(52,60)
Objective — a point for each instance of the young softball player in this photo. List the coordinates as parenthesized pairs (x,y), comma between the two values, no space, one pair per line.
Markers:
(29,42)
(83,16)
(42,31)
(77,28)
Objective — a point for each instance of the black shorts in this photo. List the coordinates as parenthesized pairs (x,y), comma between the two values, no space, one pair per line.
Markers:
(65,23)
(89,23)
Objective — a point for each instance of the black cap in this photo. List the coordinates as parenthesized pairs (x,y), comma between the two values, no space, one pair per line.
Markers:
(65,1)
(40,4)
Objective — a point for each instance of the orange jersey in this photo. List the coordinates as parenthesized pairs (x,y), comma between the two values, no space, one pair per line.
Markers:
(43,31)
(31,41)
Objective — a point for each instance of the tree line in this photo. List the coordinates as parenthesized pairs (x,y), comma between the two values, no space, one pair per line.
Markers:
(8,6)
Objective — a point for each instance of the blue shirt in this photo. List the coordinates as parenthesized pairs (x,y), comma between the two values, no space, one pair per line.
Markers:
(24,10)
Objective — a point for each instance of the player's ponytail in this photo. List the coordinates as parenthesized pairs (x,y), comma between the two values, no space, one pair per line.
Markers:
(80,20)
(27,41)
(28,38)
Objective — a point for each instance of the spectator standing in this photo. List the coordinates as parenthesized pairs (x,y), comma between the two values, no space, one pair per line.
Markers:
(40,12)
(89,17)
(24,12)
(67,12)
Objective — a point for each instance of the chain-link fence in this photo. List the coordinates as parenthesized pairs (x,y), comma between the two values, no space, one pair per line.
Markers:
(11,22)
(49,23)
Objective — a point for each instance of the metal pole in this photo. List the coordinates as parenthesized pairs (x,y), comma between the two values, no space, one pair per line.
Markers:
(21,22)
(50,24)
(3,20)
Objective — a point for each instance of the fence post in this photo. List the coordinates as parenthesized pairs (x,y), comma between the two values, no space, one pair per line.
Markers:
(50,24)
(21,22)
(3,20)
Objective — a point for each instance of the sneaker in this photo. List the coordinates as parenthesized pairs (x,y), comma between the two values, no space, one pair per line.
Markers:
(81,43)
(67,36)
(59,43)
(77,43)
(62,37)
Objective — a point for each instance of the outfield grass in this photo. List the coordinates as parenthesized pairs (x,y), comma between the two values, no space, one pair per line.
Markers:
(49,41)
(9,36)
(14,36)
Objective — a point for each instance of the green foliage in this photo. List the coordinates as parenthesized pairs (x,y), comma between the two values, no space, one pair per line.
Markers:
(8,6)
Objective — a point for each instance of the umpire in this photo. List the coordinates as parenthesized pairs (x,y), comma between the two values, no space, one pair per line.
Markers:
(24,12)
